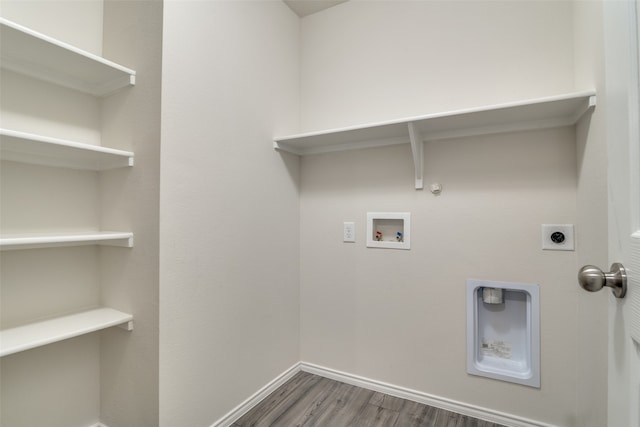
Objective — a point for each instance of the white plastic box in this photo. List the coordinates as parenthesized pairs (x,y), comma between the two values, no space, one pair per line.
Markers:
(503,340)
(389,224)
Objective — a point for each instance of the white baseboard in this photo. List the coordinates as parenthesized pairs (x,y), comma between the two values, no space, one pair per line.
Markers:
(508,420)
(236,413)
(424,398)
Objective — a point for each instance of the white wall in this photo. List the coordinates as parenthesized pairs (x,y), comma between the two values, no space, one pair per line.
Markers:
(78,23)
(229,206)
(399,316)
(130,200)
(364,61)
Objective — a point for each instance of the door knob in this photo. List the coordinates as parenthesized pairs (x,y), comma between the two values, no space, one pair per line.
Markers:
(592,279)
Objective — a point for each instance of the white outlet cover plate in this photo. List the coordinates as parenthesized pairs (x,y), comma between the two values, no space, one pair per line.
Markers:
(349,232)
(569,238)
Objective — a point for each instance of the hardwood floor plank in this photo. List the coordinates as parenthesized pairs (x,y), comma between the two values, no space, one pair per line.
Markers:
(415,414)
(446,419)
(307,406)
(342,407)
(375,416)
(308,400)
(388,402)
(278,401)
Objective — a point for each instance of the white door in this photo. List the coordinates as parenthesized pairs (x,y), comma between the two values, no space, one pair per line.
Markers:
(623,143)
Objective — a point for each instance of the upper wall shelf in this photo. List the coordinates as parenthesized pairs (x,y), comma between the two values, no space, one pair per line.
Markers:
(42,150)
(28,52)
(540,113)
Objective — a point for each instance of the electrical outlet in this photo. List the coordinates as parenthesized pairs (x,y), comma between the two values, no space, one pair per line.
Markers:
(349,232)
(558,237)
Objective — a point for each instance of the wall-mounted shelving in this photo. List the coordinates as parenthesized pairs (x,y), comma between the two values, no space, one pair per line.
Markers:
(33,241)
(42,150)
(37,334)
(36,55)
(540,113)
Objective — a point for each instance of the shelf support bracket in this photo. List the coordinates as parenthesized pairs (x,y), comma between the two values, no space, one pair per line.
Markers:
(417,149)
(128,326)
(587,105)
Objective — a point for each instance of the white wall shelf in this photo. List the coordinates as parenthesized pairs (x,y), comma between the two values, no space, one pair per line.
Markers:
(30,53)
(42,150)
(540,113)
(37,334)
(34,241)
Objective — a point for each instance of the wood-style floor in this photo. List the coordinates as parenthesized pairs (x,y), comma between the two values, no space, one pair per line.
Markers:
(309,400)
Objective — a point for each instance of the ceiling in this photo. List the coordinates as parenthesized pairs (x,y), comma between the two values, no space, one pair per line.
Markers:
(307,7)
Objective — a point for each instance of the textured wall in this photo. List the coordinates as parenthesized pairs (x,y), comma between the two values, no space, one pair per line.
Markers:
(130,200)
(229,206)
(364,61)
(399,316)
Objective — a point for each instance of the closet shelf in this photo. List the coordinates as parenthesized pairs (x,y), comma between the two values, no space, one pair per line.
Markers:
(37,334)
(540,113)
(36,55)
(42,150)
(34,241)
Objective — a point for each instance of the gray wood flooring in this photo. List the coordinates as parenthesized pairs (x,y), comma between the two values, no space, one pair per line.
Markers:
(312,401)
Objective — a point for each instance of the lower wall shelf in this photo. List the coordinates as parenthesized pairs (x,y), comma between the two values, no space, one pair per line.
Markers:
(28,241)
(37,334)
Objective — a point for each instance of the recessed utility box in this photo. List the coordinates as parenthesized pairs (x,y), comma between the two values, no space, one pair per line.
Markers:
(503,331)
(390,230)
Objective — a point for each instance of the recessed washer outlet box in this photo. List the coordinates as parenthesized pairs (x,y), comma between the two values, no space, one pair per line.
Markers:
(390,230)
